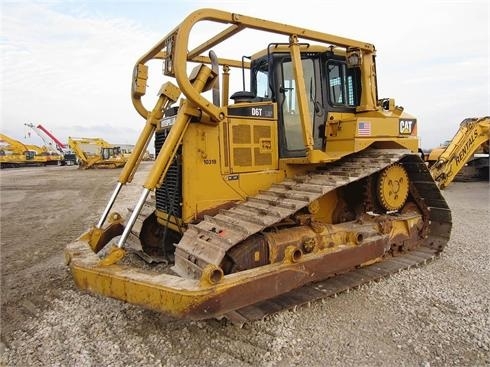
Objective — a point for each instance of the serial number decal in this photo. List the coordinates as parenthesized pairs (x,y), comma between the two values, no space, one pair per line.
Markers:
(407,126)
(209,161)
(262,111)
(168,121)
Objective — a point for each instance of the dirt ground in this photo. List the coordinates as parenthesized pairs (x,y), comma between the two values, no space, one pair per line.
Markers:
(436,315)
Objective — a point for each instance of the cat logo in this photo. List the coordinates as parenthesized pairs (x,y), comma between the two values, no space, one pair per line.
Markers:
(407,126)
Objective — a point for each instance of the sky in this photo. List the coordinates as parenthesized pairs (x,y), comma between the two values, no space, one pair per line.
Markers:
(67,65)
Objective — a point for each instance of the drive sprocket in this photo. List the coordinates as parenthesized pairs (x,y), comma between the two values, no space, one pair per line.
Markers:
(393,187)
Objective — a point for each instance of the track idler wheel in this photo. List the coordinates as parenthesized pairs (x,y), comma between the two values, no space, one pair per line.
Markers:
(392,187)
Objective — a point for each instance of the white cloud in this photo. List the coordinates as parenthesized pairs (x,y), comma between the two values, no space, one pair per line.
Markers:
(72,71)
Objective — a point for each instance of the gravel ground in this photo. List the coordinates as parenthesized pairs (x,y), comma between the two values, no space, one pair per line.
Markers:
(435,315)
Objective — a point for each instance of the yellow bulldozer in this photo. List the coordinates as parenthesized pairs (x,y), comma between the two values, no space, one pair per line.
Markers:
(301,185)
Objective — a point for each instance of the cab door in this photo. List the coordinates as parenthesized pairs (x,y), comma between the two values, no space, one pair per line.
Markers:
(290,130)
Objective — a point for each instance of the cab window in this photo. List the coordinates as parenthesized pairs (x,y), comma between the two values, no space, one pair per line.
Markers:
(289,105)
(342,85)
(262,85)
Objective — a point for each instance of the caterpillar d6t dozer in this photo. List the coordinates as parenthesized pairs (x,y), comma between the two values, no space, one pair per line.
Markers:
(305,185)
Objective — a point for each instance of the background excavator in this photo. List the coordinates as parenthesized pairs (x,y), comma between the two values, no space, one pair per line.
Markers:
(14,153)
(305,185)
(96,153)
(465,157)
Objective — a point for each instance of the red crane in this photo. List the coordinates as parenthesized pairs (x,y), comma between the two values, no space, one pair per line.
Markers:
(53,143)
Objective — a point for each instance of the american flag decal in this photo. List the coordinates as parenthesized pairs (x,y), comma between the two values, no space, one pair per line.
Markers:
(364,128)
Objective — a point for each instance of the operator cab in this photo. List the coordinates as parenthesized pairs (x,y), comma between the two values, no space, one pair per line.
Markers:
(30,155)
(331,85)
(112,152)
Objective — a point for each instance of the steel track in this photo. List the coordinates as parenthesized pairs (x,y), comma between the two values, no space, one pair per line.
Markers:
(439,222)
(208,241)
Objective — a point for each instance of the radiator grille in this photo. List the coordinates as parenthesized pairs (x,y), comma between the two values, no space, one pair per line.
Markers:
(261,132)
(241,134)
(252,146)
(242,156)
(169,195)
(262,159)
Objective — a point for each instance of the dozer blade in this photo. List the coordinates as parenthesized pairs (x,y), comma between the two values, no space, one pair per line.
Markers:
(213,295)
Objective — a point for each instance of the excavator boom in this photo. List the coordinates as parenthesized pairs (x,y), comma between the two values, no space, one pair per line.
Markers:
(59,145)
(472,134)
